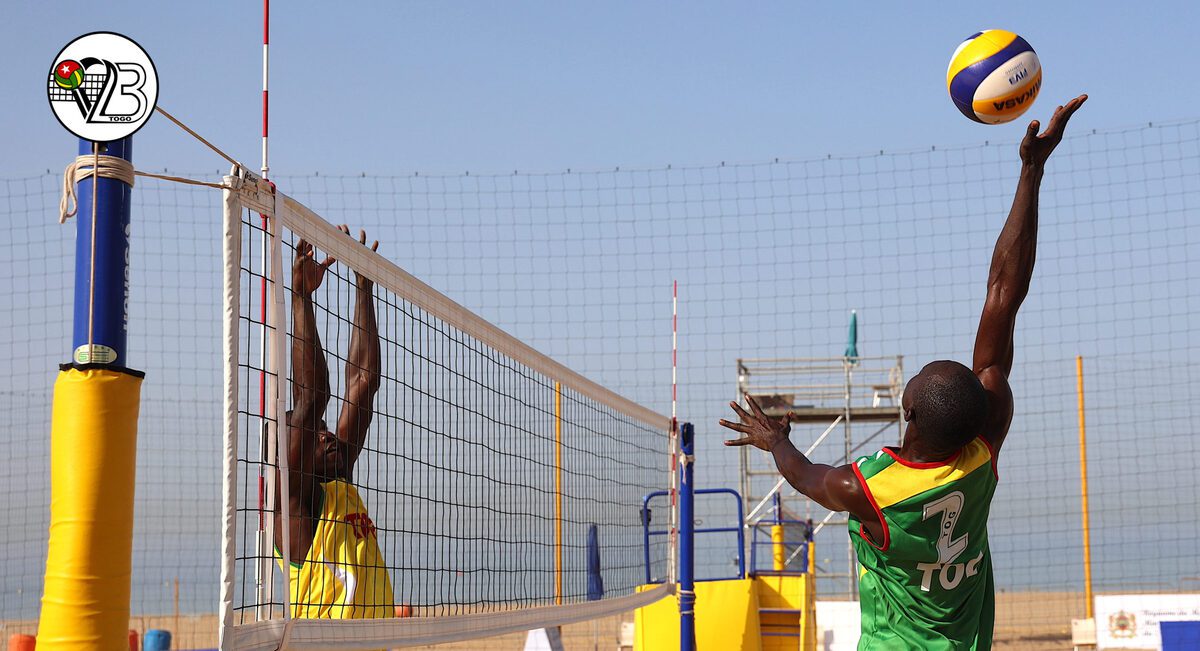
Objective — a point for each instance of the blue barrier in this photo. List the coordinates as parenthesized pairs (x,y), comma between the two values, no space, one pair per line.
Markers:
(1179,636)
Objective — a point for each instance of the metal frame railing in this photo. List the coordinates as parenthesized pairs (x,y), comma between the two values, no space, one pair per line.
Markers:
(737,528)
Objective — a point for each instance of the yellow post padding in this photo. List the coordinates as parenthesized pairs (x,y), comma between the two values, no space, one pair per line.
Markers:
(93,448)
(765,613)
(726,618)
(778,551)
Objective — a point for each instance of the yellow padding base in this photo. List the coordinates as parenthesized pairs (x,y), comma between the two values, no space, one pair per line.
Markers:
(726,618)
(93,449)
(765,613)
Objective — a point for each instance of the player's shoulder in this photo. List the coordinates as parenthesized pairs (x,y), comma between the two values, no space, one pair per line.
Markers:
(872,464)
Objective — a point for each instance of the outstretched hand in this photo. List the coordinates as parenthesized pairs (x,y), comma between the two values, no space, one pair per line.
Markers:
(759,429)
(307,273)
(1035,149)
(363,281)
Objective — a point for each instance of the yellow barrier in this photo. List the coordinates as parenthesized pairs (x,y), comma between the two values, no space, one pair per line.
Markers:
(93,447)
(735,614)
(726,618)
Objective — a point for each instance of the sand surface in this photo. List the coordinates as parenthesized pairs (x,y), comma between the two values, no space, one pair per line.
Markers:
(1029,621)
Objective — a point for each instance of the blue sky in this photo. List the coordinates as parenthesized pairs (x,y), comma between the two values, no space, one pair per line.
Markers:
(490,87)
(443,88)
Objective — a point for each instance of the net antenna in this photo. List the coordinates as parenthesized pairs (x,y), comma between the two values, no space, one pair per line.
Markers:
(673,480)
(266,445)
(482,470)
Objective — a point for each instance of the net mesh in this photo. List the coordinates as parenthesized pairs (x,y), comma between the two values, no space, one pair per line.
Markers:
(480,476)
(771,257)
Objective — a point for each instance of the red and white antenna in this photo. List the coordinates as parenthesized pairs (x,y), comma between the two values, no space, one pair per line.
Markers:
(266,59)
(673,485)
(263,571)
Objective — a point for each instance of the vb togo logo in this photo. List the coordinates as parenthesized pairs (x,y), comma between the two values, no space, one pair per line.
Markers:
(102,87)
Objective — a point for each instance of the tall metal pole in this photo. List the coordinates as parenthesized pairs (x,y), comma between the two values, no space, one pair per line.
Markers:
(853,580)
(93,438)
(1083,486)
(687,556)
(558,496)
(102,262)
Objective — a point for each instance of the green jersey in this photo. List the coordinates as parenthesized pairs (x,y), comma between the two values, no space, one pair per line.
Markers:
(928,583)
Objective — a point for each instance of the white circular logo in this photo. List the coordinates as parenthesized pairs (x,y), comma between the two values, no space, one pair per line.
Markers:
(102,87)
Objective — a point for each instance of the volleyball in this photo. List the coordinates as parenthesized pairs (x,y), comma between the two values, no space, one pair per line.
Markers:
(994,76)
(68,74)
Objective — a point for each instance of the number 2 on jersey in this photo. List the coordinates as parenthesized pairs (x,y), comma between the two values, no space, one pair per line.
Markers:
(950,506)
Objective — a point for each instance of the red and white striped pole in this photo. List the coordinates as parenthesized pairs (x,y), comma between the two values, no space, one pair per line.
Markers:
(266,59)
(673,486)
(263,579)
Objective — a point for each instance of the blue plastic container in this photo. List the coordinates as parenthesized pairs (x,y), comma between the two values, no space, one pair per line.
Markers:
(156,640)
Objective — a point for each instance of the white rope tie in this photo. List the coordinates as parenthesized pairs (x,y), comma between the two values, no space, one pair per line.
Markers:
(109,167)
(113,167)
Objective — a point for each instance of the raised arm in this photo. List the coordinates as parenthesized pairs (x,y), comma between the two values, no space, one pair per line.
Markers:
(1011,272)
(834,487)
(310,396)
(310,372)
(363,366)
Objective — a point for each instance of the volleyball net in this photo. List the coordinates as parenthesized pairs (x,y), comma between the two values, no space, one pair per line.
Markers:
(502,490)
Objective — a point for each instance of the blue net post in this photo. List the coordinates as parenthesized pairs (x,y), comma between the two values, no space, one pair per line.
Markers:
(687,543)
(93,432)
(100,324)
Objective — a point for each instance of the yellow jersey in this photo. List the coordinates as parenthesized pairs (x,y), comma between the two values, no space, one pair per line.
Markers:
(344,575)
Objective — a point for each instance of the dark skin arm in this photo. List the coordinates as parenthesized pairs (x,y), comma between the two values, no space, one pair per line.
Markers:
(834,487)
(837,487)
(310,397)
(363,366)
(1010,275)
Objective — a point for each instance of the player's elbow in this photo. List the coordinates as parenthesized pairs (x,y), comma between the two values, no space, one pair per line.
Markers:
(1004,297)
(366,378)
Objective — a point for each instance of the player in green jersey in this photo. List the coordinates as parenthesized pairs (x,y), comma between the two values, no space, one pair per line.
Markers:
(918,513)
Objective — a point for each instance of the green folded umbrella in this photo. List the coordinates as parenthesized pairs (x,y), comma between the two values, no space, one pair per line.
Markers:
(852,341)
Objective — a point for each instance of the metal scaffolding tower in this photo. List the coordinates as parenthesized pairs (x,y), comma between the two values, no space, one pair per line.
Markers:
(860,396)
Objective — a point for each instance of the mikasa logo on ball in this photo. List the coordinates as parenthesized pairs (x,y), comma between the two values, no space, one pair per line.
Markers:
(102,87)
(1024,98)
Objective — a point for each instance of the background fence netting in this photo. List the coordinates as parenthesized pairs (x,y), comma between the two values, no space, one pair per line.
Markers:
(770,257)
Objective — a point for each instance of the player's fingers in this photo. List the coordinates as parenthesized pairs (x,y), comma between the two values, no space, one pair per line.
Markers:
(742,413)
(737,427)
(1074,105)
(344,228)
(1032,130)
(328,261)
(375,246)
(737,442)
(362,237)
(754,405)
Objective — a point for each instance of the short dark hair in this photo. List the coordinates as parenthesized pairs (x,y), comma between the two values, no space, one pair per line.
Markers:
(950,405)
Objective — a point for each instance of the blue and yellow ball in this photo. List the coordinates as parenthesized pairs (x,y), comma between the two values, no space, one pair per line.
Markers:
(994,76)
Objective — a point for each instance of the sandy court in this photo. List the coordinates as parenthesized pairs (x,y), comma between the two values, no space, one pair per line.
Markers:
(1029,621)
